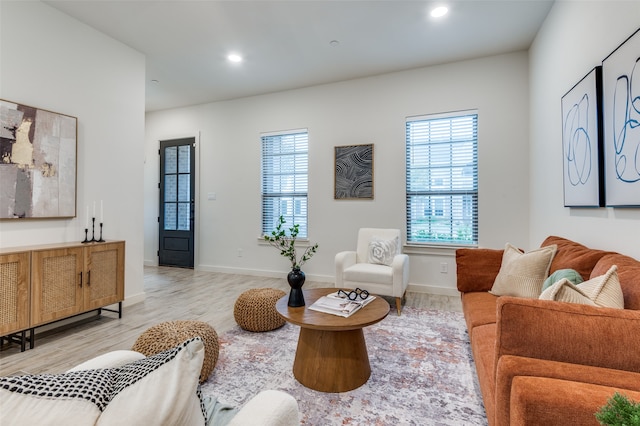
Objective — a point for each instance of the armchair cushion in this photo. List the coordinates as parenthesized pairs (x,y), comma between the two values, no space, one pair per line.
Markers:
(369,273)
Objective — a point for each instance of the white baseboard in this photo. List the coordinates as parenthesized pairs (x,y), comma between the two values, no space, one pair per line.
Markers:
(432,289)
(418,288)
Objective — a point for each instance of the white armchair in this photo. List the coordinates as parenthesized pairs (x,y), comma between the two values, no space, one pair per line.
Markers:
(377,265)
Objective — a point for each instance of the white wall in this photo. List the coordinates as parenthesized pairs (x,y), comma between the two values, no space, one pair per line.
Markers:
(368,110)
(575,37)
(51,61)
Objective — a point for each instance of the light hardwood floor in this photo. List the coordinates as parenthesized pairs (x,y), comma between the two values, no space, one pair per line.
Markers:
(171,294)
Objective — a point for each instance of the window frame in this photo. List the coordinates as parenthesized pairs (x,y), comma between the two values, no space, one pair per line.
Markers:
(460,188)
(291,203)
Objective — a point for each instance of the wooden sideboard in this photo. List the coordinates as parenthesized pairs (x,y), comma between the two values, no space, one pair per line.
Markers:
(46,283)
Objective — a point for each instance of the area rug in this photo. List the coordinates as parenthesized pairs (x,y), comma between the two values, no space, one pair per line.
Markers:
(422,373)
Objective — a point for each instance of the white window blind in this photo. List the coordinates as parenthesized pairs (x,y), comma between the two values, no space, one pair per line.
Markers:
(442,179)
(285,165)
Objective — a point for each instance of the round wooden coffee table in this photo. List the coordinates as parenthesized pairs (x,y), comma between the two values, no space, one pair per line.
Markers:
(331,354)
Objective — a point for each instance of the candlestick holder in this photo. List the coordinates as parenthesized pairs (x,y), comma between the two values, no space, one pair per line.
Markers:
(100,240)
(93,230)
(86,233)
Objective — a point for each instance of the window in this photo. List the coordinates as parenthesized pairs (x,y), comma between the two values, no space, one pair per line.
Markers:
(285,165)
(442,178)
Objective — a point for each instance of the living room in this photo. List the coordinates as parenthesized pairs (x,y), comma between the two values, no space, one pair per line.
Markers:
(517,95)
(51,61)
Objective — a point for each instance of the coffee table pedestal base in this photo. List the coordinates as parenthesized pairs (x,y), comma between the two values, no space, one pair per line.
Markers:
(331,361)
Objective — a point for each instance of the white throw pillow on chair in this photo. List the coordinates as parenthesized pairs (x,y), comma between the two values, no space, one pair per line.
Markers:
(382,251)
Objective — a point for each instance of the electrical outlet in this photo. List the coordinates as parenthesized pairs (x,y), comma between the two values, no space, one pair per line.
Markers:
(239,252)
(444,268)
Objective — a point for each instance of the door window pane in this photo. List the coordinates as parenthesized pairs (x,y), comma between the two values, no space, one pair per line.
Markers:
(170,188)
(183,216)
(183,188)
(170,159)
(184,159)
(170,216)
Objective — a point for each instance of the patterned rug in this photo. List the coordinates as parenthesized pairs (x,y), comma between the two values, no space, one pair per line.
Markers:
(422,373)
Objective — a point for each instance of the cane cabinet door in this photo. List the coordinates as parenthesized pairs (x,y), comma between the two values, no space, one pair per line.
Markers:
(57,280)
(14,292)
(105,275)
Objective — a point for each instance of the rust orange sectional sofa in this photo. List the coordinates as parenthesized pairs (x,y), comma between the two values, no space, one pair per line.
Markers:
(542,362)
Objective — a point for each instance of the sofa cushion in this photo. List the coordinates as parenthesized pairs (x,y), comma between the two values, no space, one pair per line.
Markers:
(368,272)
(479,309)
(628,275)
(522,274)
(572,255)
(545,401)
(161,389)
(477,268)
(570,274)
(483,349)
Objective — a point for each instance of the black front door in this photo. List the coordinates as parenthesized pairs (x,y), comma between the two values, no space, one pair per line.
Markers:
(177,188)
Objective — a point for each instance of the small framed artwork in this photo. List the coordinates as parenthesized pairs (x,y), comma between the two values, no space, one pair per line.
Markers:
(621,108)
(583,179)
(38,151)
(354,172)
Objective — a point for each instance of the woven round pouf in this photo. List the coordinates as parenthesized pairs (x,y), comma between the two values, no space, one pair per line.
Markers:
(167,335)
(255,309)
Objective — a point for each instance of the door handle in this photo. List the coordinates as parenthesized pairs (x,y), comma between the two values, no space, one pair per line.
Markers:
(80,274)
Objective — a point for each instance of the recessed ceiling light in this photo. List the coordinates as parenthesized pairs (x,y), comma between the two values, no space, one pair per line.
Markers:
(234,57)
(334,43)
(439,11)
(154,81)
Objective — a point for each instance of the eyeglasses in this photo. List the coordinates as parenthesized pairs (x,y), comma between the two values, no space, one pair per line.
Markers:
(353,295)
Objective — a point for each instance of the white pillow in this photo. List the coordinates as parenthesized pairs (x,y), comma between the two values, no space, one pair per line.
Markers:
(566,291)
(382,251)
(109,360)
(160,389)
(603,291)
(523,274)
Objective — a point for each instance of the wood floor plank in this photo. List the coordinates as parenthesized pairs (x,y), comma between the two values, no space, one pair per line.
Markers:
(171,294)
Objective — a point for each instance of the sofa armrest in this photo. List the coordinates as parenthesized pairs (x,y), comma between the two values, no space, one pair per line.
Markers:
(477,268)
(343,260)
(268,408)
(571,333)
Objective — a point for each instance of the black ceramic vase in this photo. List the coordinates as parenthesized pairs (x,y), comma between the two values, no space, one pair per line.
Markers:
(296,280)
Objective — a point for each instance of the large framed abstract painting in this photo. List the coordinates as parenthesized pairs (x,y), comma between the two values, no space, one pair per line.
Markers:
(37,163)
(621,106)
(354,172)
(582,142)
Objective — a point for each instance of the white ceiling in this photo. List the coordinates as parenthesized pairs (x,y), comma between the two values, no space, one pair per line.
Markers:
(287,44)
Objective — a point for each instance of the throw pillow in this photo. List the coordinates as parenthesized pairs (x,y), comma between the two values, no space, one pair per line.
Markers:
(522,274)
(603,291)
(566,291)
(570,274)
(382,251)
(161,389)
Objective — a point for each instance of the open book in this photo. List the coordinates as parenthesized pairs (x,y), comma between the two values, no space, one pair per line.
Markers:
(337,305)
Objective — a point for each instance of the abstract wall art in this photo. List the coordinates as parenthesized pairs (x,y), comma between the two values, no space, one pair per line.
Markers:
(582,142)
(621,107)
(353,172)
(37,163)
